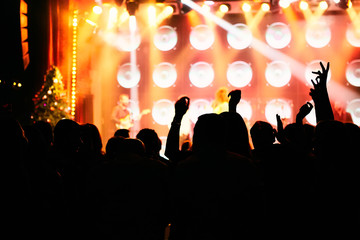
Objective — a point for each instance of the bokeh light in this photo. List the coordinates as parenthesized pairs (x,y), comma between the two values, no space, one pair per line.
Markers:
(318,34)
(239,74)
(353,73)
(165,38)
(202,37)
(97,10)
(278,35)
(314,66)
(128,77)
(201,74)
(165,75)
(353,35)
(354,109)
(278,73)
(199,107)
(163,111)
(277,106)
(244,109)
(243,39)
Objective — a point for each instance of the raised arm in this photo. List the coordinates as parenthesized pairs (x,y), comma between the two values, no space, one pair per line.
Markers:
(172,143)
(235,97)
(303,112)
(320,95)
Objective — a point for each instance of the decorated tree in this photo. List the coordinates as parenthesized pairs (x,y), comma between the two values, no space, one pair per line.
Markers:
(50,102)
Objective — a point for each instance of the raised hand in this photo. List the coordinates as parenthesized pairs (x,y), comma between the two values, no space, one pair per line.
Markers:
(303,112)
(320,80)
(280,134)
(181,106)
(235,97)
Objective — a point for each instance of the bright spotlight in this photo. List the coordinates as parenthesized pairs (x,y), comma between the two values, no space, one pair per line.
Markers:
(278,73)
(128,77)
(323,5)
(353,73)
(303,5)
(202,37)
(97,10)
(201,74)
(199,107)
(242,39)
(265,7)
(246,7)
(163,112)
(277,106)
(354,109)
(336,1)
(353,35)
(239,74)
(132,23)
(165,38)
(169,10)
(224,8)
(284,3)
(164,75)
(318,34)
(278,35)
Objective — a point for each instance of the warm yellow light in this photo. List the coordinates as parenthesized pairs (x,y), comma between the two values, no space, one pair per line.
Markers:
(349,4)
(265,7)
(152,15)
(169,10)
(284,3)
(206,7)
(14,83)
(246,7)
(323,5)
(73,97)
(74,72)
(74,24)
(303,5)
(224,8)
(90,22)
(97,9)
(73,92)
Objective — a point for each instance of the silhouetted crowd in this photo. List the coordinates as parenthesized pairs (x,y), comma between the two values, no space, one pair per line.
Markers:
(295,181)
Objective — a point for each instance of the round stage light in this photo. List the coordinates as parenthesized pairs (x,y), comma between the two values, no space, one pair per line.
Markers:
(244,109)
(354,109)
(199,107)
(164,75)
(97,10)
(242,39)
(318,34)
(126,42)
(278,35)
(202,37)
(165,38)
(278,73)
(314,66)
(201,74)
(277,106)
(353,73)
(128,77)
(353,35)
(163,112)
(311,117)
(239,74)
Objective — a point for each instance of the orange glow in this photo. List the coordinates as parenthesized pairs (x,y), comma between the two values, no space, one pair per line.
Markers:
(265,7)
(97,10)
(246,7)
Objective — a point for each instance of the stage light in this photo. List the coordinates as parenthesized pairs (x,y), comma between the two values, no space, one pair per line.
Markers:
(199,107)
(278,35)
(318,34)
(246,7)
(206,7)
(165,75)
(152,16)
(124,41)
(163,112)
(201,74)
(243,38)
(314,66)
(278,73)
(277,106)
(132,23)
(353,35)
(354,109)
(239,74)
(128,77)
(224,8)
(303,5)
(265,7)
(244,109)
(323,5)
(284,3)
(202,37)
(165,38)
(132,6)
(169,10)
(97,10)
(336,1)
(353,73)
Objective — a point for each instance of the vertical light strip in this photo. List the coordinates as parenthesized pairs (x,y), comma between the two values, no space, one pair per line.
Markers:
(74,62)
